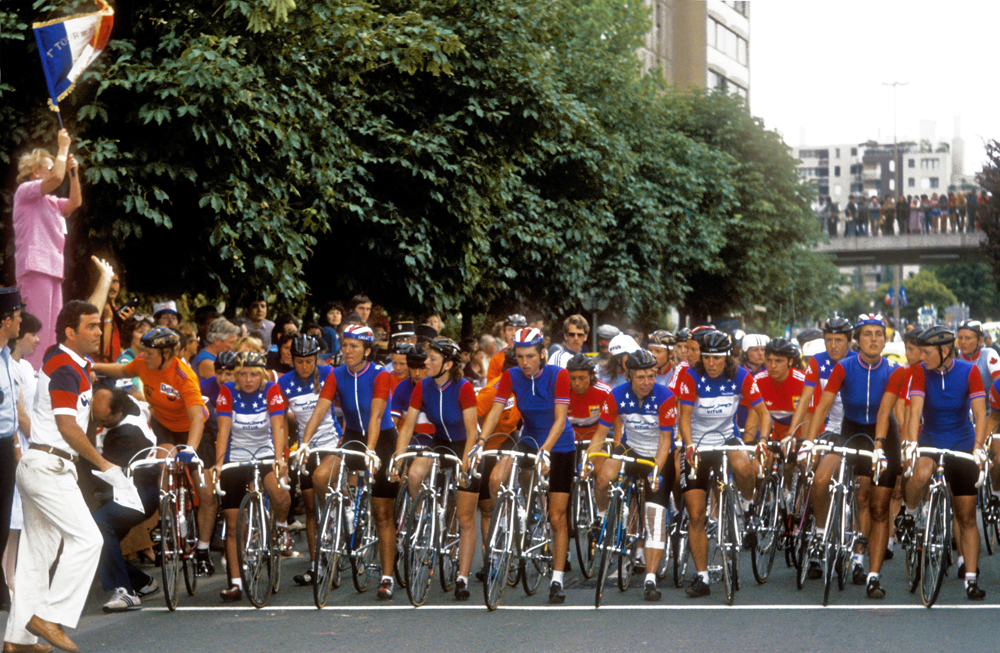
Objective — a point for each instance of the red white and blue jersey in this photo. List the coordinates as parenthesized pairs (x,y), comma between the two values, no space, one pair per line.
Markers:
(715,400)
(817,376)
(537,397)
(780,399)
(860,386)
(445,405)
(63,389)
(301,396)
(356,393)
(947,397)
(585,409)
(644,421)
(423,432)
(251,414)
(675,380)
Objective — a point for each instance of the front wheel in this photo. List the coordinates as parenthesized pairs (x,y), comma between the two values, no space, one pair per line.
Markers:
(606,546)
(329,542)
(679,548)
(364,550)
(630,535)
(499,551)
(729,544)
(583,526)
(188,526)
(253,551)
(420,548)
(767,529)
(170,546)
(536,558)
(450,536)
(936,544)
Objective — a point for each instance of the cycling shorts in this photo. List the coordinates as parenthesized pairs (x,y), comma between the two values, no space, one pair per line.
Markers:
(562,467)
(385,447)
(638,470)
(707,462)
(891,447)
(960,474)
(234,483)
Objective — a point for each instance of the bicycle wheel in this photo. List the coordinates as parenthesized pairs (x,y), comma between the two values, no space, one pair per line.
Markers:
(913,554)
(768,524)
(499,551)
(274,552)
(848,537)
(170,546)
(449,537)
(188,523)
(537,554)
(729,542)
(420,548)
(400,517)
(582,524)
(802,540)
(629,535)
(364,549)
(986,515)
(252,551)
(329,541)
(679,548)
(606,545)
(936,543)
(831,547)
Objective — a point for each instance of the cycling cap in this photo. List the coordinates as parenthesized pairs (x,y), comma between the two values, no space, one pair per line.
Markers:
(528,338)
(227,360)
(160,338)
(581,363)
(622,344)
(516,320)
(661,338)
(359,332)
(870,319)
(640,359)
(936,335)
(716,342)
(972,325)
(838,325)
(813,347)
(304,345)
(607,332)
(755,340)
(447,348)
(782,347)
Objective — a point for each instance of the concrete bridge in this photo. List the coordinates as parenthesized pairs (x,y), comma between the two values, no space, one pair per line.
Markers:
(915,249)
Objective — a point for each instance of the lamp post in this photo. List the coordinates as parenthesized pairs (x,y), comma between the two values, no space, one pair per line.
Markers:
(897,271)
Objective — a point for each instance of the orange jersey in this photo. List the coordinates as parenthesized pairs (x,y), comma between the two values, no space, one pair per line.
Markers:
(509,418)
(170,392)
(495,368)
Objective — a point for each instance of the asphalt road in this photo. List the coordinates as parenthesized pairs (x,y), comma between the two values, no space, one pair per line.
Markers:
(770,617)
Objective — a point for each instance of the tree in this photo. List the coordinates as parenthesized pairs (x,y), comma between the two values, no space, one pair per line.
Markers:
(989,218)
(922,288)
(973,285)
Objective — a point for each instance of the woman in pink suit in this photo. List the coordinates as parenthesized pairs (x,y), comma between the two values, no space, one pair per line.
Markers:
(40,233)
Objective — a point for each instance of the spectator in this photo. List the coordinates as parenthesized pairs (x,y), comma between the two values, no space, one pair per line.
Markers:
(40,231)
(902,213)
(916,215)
(434,320)
(575,331)
(203,318)
(874,215)
(189,342)
(165,314)
(112,318)
(851,217)
(220,337)
(331,318)
(361,305)
(257,312)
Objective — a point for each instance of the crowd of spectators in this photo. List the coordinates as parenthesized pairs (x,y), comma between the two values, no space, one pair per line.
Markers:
(951,212)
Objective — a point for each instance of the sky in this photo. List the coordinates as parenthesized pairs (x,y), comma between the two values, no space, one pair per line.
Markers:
(818,69)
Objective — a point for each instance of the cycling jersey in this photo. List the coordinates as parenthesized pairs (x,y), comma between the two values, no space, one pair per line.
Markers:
(562,356)
(585,410)
(947,397)
(817,376)
(715,400)
(664,376)
(643,420)
(301,396)
(356,393)
(987,361)
(170,392)
(423,432)
(675,381)
(899,382)
(444,406)
(509,418)
(537,397)
(495,368)
(860,386)
(251,414)
(781,399)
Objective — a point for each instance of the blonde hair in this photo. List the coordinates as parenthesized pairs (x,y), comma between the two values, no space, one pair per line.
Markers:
(249,343)
(260,371)
(27,163)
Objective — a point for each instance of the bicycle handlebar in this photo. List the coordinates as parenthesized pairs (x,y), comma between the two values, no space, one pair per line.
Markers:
(933,451)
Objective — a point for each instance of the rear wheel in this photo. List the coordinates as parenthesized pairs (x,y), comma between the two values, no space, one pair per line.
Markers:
(400,516)
(189,537)
(364,557)
(606,546)
(987,514)
(582,525)
(767,528)
(831,548)
(536,559)
(730,543)
(679,548)
(801,546)
(629,536)
(499,551)
(170,547)
(448,555)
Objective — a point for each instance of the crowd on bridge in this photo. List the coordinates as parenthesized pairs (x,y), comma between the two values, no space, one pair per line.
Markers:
(951,212)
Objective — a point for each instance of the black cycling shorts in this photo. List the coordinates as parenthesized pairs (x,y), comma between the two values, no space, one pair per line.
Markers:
(385,447)
(456,449)
(562,467)
(167,438)
(708,461)
(312,462)
(234,483)
(960,474)
(486,470)
(661,496)
(891,447)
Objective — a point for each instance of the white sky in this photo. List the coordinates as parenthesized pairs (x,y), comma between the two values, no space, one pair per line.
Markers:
(817,70)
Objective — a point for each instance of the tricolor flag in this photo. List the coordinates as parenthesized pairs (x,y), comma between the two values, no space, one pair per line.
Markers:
(68,45)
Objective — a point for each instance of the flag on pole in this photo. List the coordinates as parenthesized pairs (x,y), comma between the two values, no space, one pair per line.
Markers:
(68,45)
(902,295)
(888,297)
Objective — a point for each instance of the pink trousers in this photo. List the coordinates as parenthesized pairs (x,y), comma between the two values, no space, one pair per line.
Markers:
(42,296)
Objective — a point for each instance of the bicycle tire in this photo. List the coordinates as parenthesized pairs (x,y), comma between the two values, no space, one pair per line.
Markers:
(936,543)
(630,532)
(848,537)
(913,553)
(274,552)
(189,537)
(400,517)
(536,555)
(364,551)
(762,558)
(421,548)
(802,540)
(252,551)
(450,536)
(582,524)
(679,549)
(606,546)
(329,540)
(988,518)
(831,548)
(499,551)
(729,543)
(170,551)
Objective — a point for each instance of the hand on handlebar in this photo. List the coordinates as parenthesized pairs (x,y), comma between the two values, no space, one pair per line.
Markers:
(654,478)
(544,459)
(805,449)
(372,461)
(879,464)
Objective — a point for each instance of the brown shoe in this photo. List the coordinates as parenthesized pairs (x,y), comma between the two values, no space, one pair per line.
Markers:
(40,647)
(231,595)
(52,632)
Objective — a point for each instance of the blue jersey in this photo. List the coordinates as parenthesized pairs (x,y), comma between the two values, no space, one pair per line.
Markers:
(644,422)
(817,374)
(356,393)
(537,397)
(423,432)
(302,395)
(445,406)
(861,387)
(947,399)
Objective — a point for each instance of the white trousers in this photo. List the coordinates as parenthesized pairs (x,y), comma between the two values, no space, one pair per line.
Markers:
(54,512)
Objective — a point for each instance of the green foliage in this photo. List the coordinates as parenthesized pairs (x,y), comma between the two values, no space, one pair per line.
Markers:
(922,288)
(989,220)
(973,285)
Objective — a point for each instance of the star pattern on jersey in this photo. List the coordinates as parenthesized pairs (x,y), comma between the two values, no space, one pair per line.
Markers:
(825,366)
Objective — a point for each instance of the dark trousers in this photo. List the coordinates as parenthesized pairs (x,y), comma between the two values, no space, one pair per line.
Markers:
(7,468)
(114,522)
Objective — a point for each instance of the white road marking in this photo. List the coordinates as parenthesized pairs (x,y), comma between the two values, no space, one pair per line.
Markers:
(577,608)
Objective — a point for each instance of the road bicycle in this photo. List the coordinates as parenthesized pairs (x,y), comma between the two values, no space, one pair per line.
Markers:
(583,513)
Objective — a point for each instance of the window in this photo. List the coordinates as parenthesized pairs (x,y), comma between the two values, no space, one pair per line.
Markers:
(836,170)
(837,190)
(742,8)
(892,166)
(935,182)
(720,83)
(837,150)
(929,164)
(856,188)
(892,184)
(854,151)
(911,182)
(925,183)
(727,41)
(911,163)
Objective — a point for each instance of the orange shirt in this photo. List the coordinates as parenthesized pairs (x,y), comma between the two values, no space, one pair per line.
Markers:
(495,368)
(169,392)
(509,418)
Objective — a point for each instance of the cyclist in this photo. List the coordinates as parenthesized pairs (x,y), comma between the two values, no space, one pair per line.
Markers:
(423,432)
(363,389)
(587,397)
(510,326)
(543,397)
(709,392)
(780,387)
(969,339)
(661,344)
(449,402)
(692,352)
(944,408)
(612,370)
(753,352)
(251,413)
(178,416)
(644,412)
(837,341)
(680,348)
(861,382)
(300,388)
